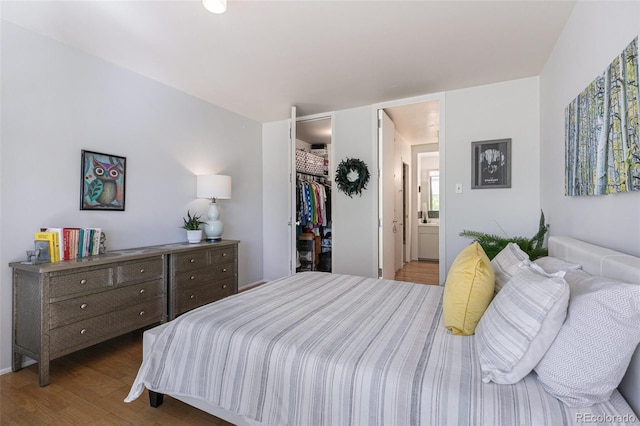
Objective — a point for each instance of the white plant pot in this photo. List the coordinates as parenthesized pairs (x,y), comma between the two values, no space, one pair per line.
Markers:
(194,236)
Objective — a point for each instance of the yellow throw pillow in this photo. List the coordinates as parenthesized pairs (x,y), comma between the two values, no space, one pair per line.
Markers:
(468,290)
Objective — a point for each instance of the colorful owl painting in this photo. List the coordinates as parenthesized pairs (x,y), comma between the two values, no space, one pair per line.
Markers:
(103,179)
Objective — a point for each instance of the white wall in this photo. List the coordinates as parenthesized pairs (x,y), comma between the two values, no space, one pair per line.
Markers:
(496,111)
(595,33)
(57,100)
(355,220)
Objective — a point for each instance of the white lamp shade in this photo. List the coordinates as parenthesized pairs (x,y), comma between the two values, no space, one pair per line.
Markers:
(215,6)
(213,186)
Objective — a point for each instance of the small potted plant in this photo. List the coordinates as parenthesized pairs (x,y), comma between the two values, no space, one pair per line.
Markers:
(192,225)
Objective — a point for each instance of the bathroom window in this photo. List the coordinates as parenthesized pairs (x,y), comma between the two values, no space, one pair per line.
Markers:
(434,191)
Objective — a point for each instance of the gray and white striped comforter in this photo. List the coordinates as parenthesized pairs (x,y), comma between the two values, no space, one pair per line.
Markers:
(326,349)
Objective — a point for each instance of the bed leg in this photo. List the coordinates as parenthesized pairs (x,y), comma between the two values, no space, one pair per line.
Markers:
(155,399)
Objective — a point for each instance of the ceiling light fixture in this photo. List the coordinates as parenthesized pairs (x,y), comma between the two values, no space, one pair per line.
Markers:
(215,6)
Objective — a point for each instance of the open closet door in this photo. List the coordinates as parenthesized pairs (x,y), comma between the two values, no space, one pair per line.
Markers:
(292,192)
(386,208)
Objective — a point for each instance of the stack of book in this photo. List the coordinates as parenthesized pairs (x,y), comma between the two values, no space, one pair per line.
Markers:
(70,243)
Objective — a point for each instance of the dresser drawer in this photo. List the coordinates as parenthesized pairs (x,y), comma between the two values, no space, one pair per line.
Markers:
(222,255)
(192,298)
(191,261)
(194,279)
(141,270)
(221,289)
(91,305)
(223,271)
(67,284)
(197,278)
(138,316)
(188,300)
(84,333)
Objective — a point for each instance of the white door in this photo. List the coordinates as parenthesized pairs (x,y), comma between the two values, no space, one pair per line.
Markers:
(292,193)
(386,238)
(397,210)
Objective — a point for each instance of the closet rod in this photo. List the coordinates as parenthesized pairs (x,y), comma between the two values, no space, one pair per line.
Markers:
(315,178)
(311,174)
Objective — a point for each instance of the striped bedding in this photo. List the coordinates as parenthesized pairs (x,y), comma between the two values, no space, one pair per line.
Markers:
(326,349)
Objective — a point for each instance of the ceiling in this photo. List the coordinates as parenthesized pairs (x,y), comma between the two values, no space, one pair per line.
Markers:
(314,131)
(418,123)
(261,57)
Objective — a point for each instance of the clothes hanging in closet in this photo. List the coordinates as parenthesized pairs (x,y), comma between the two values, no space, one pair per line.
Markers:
(311,204)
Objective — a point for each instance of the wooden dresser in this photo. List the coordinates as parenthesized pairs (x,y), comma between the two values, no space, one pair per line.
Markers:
(59,308)
(201,275)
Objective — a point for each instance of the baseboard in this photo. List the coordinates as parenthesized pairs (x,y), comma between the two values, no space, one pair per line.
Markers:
(251,285)
(26,363)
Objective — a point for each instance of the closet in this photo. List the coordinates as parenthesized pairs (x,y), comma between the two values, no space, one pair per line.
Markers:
(313,195)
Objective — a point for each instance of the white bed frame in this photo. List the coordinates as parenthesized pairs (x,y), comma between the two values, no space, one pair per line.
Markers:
(594,260)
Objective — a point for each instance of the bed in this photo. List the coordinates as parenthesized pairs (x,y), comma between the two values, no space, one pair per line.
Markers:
(328,349)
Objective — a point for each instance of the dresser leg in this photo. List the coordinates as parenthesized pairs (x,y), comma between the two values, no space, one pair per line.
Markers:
(155,399)
(16,361)
(43,370)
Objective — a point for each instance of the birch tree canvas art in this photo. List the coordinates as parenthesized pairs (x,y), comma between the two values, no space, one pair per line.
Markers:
(602,148)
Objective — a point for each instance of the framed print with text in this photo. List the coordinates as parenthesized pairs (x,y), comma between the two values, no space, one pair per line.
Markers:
(491,164)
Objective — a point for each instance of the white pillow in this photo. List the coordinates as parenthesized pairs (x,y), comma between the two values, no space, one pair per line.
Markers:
(507,263)
(576,279)
(520,324)
(591,353)
(553,264)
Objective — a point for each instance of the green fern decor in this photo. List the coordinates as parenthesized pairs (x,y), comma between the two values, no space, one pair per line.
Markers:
(493,244)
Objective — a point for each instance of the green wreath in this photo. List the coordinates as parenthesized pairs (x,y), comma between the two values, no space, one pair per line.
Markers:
(345,179)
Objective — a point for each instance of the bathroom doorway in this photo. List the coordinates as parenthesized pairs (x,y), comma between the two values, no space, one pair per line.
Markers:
(416,130)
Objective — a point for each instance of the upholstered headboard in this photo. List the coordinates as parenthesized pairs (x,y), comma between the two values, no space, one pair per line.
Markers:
(609,263)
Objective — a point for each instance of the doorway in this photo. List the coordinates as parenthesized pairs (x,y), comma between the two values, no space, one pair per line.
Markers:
(313,194)
(415,126)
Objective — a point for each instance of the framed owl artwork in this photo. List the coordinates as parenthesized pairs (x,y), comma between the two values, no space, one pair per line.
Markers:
(103,181)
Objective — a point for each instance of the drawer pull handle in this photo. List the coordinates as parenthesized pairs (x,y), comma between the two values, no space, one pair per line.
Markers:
(142,270)
(83,306)
(83,281)
(83,331)
(192,277)
(192,297)
(192,260)
(141,290)
(224,254)
(224,269)
(224,286)
(141,313)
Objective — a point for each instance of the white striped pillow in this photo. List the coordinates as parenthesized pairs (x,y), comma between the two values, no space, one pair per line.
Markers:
(520,325)
(553,264)
(507,263)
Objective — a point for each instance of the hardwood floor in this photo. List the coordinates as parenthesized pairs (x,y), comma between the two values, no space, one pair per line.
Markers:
(88,388)
(420,271)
